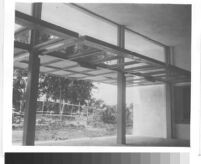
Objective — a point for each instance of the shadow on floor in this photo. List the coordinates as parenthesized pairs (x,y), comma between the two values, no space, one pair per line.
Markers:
(111,141)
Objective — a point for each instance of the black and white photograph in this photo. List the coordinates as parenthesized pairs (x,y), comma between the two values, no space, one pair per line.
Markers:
(101,74)
(106,82)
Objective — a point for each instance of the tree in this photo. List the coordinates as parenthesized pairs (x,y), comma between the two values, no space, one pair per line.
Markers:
(19,88)
(53,87)
(68,90)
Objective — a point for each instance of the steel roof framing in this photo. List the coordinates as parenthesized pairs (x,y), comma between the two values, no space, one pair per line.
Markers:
(70,38)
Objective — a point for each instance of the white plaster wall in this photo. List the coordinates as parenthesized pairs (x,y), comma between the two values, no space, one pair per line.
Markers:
(150,114)
(149,111)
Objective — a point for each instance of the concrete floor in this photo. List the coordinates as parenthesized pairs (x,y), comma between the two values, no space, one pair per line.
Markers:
(111,141)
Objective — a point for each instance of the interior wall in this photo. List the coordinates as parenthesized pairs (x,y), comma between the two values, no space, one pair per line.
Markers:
(149,113)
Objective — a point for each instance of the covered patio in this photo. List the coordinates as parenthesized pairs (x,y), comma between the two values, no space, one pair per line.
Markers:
(101,55)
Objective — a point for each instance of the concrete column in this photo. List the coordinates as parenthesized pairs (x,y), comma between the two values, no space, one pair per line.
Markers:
(32,86)
(121,94)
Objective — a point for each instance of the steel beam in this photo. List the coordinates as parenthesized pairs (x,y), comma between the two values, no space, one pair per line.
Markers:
(122,52)
(22,46)
(35,23)
(38,24)
(115,23)
(123,64)
(106,59)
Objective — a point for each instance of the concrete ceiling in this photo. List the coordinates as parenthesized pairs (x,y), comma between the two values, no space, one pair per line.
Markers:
(168,24)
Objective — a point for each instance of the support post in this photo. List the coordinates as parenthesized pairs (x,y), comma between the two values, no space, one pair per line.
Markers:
(169,98)
(121,93)
(32,86)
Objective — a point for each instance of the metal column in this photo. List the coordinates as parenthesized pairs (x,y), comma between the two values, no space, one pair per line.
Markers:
(121,93)
(32,87)
(169,98)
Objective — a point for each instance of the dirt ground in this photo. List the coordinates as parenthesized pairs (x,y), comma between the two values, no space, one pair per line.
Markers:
(51,129)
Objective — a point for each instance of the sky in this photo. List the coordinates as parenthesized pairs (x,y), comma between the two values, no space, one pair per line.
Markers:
(108,93)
